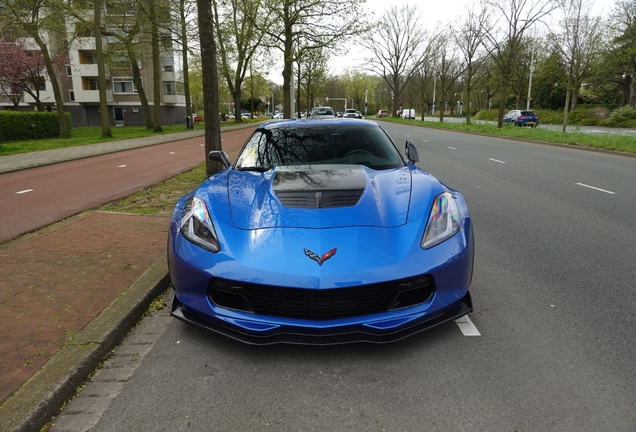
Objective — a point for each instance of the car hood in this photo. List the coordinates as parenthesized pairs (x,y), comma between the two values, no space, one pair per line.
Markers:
(324,196)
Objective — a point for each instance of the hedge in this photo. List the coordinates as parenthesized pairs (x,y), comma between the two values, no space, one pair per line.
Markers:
(26,125)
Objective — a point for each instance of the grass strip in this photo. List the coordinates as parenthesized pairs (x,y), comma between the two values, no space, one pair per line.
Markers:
(607,141)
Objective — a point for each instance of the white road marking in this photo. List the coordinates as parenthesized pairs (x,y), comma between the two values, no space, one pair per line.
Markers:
(121,166)
(467,327)
(24,191)
(496,160)
(408,136)
(425,140)
(452,148)
(172,153)
(598,189)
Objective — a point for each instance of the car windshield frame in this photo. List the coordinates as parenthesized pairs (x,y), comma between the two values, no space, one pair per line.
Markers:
(322,144)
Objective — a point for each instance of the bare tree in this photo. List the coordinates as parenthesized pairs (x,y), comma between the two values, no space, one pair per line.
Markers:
(239,38)
(468,37)
(450,67)
(304,25)
(578,44)
(398,48)
(506,41)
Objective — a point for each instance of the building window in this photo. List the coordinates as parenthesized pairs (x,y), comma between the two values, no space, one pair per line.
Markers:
(71,95)
(69,70)
(169,88)
(135,109)
(119,62)
(40,85)
(84,30)
(167,64)
(93,84)
(123,86)
(88,57)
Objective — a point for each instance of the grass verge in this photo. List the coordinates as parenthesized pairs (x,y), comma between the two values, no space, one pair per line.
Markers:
(624,143)
(160,199)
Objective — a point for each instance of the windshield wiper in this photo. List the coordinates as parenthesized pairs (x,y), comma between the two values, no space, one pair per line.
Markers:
(257,169)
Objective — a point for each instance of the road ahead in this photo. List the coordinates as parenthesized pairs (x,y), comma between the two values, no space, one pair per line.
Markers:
(554,292)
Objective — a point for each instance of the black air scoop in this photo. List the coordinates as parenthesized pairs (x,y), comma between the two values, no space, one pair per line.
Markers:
(320,187)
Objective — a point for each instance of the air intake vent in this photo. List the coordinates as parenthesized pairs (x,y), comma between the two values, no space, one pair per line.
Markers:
(322,199)
(325,304)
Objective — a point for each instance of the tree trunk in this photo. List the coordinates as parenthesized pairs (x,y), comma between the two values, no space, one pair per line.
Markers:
(156,67)
(184,54)
(59,103)
(101,73)
(502,106)
(210,84)
(567,101)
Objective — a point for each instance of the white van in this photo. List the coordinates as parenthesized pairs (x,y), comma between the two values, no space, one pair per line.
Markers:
(408,114)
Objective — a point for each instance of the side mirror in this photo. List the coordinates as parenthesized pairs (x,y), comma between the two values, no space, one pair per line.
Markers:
(220,156)
(411,152)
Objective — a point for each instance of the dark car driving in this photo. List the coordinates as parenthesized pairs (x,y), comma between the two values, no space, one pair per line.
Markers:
(521,118)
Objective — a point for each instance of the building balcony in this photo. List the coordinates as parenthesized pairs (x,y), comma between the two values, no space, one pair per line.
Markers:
(90,70)
(45,97)
(92,96)
(173,99)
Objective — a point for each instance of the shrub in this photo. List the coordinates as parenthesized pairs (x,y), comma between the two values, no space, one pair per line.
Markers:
(21,125)
(622,116)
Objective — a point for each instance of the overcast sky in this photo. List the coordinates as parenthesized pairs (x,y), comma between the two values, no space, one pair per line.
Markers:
(432,13)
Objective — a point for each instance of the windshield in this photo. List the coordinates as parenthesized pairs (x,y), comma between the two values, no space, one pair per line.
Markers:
(319,145)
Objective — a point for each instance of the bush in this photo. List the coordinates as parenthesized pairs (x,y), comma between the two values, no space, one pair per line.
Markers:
(622,116)
(21,125)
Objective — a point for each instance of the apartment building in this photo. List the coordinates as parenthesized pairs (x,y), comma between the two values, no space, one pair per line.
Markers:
(79,80)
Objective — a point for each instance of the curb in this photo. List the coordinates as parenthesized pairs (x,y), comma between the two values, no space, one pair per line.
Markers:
(31,406)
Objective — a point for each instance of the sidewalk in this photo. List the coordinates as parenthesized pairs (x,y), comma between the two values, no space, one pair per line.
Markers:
(69,292)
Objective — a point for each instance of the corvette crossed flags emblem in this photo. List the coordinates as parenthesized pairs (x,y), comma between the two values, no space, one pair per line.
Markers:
(318,259)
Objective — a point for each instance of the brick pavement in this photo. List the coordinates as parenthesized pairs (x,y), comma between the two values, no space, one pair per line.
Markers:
(56,281)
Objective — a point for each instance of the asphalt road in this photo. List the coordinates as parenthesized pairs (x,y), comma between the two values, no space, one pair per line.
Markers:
(37,197)
(554,291)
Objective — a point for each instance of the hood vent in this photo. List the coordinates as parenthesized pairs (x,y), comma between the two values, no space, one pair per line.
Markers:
(320,199)
(325,186)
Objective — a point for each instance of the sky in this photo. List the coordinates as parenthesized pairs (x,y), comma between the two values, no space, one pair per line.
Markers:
(432,12)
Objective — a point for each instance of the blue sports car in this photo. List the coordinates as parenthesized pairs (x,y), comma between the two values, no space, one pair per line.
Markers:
(320,233)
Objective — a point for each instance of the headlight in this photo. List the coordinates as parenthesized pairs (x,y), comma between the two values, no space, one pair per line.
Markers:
(197,227)
(443,222)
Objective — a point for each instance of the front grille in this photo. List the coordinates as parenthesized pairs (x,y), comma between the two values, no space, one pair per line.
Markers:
(327,199)
(321,304)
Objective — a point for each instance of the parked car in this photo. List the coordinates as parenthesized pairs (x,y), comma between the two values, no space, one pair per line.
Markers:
(196,118)
(322,113)
(282,246)
(351,113)
(382,114)
(277,115)
(339,113)
(521,118)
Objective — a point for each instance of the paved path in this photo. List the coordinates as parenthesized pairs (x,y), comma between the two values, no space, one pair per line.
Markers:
(69,291)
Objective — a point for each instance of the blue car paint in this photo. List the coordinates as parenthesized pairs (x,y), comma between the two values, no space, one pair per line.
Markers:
(268,248)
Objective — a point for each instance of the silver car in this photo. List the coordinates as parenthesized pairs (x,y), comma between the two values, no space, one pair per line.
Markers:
(322,113)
